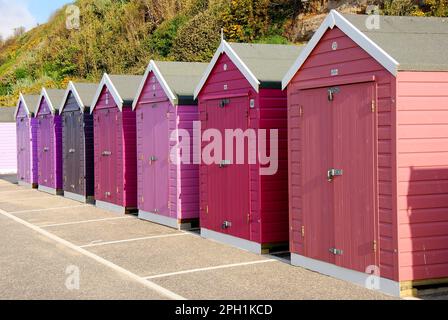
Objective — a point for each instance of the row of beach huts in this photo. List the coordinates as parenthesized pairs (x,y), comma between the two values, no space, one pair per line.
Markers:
(361,188)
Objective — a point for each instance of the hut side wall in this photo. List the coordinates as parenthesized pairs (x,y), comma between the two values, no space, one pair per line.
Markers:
(422,166)
(8,148)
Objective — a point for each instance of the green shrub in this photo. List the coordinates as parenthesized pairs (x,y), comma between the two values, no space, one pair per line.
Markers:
(163,38)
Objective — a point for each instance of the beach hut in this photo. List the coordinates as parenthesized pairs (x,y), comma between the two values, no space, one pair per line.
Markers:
(242,203)
(368,164)
(168,190)
(77,142)
(49,141)
(115,143)
(8,141)
(26,127)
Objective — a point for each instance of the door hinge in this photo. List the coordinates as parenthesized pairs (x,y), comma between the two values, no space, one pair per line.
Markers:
(303,231)
(248,218)
(206,209)
(375,246)
(373,106)
(300,111)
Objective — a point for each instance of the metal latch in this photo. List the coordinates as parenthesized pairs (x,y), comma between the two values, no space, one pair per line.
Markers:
(224,102)
(152,159)
(226,225)
(331,92)
(71,151)
(106,153)
(334,173)
(225,163)
(107,194)
(46,149)
(336,252)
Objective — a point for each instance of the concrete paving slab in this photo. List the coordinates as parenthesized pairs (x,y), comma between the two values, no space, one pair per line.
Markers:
(15,205)
(19,194)
(34,267)
(66,215)
(158,256)
(110,230)
(266,281)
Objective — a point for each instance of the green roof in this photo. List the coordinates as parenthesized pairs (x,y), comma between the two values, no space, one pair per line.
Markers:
(56,96)
(181,77)
(31,101)
(268,62)
(86,92)
(127,86)
(416,43)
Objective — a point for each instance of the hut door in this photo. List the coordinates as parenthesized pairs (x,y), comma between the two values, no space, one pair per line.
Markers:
(160,160)
(338,157)
(355,191)
(45,146)
(317,200)
(228,181)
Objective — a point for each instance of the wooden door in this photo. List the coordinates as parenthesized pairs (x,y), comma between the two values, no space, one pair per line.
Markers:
(228,182)
(317,154)
(161,136)
(339,194)
(355,191)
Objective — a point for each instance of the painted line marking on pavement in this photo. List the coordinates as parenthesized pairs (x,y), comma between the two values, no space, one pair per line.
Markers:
(209,269)
(82,222)
(132,240)
(48,209)
(151,285)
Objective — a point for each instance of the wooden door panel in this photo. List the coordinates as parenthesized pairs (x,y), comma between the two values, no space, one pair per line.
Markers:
(161,153)
(317,197)
(355,194)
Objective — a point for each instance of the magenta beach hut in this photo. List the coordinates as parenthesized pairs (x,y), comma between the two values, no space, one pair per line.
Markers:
(49,141)
(241,90)
(26,125)
(115,143)
(168,190)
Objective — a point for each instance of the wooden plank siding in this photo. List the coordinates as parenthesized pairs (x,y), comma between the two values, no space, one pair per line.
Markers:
(8,148)
(350,61)
(422,162)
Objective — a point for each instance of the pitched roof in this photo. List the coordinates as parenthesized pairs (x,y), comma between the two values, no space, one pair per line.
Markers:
(7,114)
(83,93)
(397,43)
(122,87)
(261,64)
(417,43)
(53,98)
(29,102)
(178,79)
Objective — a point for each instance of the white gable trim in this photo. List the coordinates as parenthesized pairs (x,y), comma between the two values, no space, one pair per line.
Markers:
(21,99)
(336,19)
(72,88)
(106,81)
(44,94)
(152,67)
(242,67)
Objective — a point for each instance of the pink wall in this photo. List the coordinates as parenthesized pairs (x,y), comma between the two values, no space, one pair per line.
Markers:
(351,61)
(8,148)
(422,169)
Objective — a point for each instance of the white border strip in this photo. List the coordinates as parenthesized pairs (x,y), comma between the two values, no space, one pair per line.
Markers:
(226,266)
(99,244)
(106,81)
(82,222)
(227,49)
(22,99)
(152,67)
(159,219)
(110,207)
(71,88)
(55,192)
(151,285)
(336,19)
(386,286)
